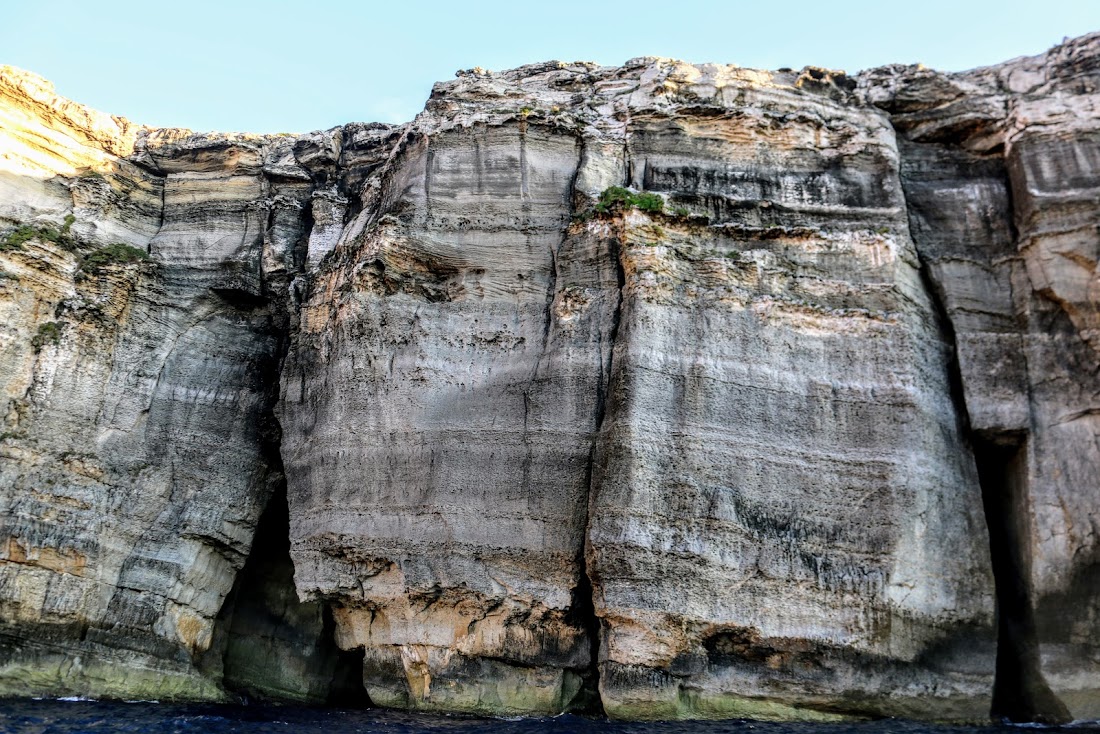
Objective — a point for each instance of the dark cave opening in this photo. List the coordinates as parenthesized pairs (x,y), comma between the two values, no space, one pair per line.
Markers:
(278,648)
(582,613)
(346,689)
(1020,692)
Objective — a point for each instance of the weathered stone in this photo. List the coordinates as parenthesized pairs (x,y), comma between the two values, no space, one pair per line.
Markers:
(136,395)
(690,387)
(439,424)
(780,468)
(780,458)
(1008,228)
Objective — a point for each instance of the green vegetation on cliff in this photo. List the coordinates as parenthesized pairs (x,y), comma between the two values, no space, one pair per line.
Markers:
(116,253)
(48,333)
(618,197)
(15,239)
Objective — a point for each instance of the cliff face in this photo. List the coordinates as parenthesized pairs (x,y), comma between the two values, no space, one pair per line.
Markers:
(1000,171)
(802,423)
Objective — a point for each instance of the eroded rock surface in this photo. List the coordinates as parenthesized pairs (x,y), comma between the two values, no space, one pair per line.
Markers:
(744,399)
(723,442)
(1001,171)
(144,304)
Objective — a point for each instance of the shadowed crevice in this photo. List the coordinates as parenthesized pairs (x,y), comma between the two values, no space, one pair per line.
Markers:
(279,648)
(587,702)
(1020,692)
(346,689)
(584,595)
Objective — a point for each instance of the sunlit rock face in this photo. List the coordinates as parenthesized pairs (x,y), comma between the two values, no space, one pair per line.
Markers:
(796,424)
(439,412)
(784,512)
(136,452)
(740,405)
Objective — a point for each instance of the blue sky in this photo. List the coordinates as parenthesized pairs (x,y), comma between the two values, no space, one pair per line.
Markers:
(312,64)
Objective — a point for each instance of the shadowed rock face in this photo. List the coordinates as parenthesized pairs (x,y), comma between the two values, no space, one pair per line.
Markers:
(137,393)
(728,450)
(1001,175)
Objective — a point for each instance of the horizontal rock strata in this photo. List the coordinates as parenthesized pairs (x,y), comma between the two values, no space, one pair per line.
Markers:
(143,313)
(663,390)
(1001,170)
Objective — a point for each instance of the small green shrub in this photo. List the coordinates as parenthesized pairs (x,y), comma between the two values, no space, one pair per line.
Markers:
(21,235)
(5,275)
(648,202)
(14,240)
(681,212)
(117,253)
(611,198)
(618,197)
(48,333)
(733,255)
(882,230)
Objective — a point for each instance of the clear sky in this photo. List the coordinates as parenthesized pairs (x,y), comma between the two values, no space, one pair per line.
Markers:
(295,66)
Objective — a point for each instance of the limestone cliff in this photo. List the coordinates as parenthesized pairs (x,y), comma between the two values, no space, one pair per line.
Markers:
(666,390)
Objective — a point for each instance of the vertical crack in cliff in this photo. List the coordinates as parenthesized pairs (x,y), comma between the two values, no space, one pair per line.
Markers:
(584,602)
(1020,692)
(299,254)
(274,646)
(277,647)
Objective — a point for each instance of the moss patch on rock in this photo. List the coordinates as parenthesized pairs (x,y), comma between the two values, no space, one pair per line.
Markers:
(48,333)
(616,197)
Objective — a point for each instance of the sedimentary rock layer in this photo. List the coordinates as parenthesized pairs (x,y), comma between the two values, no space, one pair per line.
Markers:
(438,426)
(1001,171)
(745,400)
(673,390)
(143,305)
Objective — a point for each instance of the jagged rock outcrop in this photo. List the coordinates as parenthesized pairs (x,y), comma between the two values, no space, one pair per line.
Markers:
(798,424)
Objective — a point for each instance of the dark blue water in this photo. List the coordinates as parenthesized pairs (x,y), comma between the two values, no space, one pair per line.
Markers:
(75,717)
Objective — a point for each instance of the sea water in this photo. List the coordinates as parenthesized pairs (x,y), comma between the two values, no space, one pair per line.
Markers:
(21,716)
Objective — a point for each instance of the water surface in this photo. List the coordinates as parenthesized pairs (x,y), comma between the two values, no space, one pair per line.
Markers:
(76,717)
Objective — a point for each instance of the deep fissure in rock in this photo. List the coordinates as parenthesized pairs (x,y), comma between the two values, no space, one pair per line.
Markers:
(279,647)
(584,602)
(583,612)
(274,646)
(1020,692)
